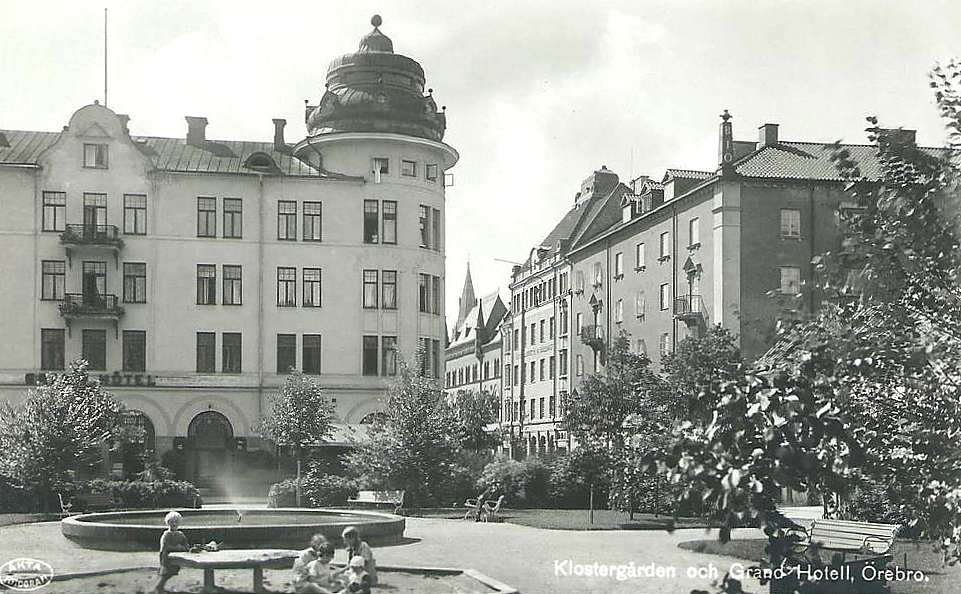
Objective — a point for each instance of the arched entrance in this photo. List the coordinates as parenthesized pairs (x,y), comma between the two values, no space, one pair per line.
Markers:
(139,443)
(209,440)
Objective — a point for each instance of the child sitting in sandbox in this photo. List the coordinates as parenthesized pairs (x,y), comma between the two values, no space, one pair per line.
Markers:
(304,567)
(356,547)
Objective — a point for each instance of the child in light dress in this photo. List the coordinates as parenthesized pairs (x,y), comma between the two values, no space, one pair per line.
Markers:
(171,540)
(356,547)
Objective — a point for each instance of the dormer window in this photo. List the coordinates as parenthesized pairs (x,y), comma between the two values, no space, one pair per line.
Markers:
(261,162)
(95,156)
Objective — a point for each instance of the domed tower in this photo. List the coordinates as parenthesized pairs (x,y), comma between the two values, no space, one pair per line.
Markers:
(377,131)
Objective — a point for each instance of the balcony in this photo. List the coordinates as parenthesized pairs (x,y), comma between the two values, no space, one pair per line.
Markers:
(77,306)
(593,336)
(91,236)
(690,310)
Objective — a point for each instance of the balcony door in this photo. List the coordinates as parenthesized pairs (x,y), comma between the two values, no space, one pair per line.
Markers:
(94,282)
(94,214)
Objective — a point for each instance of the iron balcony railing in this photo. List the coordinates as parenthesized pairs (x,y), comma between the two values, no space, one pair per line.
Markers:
(593,336)
(687,306)
(77,305)
(108,235)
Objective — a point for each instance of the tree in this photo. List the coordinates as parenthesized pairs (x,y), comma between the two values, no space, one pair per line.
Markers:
(697,367)
(474,413)
(60,429)
(298,416)
(414,445)
(868,389)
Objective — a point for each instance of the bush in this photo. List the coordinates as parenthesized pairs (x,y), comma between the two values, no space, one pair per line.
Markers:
(148,494)
(524,484)
(283,494)
(322,490)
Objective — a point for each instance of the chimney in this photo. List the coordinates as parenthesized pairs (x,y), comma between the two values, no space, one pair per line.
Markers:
(196,131)
(599,183)
(767,136)
(280,145)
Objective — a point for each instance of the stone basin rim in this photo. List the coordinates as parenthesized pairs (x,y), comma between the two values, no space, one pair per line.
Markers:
(331,515)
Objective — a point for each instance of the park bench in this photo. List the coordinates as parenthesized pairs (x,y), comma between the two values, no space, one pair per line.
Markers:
(256,559)
(86,502)
(393,499)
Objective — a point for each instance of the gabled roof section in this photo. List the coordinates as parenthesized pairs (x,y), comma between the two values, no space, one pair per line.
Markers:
(604,214)
(24,146)
(481,321)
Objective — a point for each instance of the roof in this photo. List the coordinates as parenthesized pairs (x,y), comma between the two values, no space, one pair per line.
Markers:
(686,173)
(489,310)
(169,154)
(810,161)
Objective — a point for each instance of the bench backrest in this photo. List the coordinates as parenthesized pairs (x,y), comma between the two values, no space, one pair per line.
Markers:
(381,496)
(846,535)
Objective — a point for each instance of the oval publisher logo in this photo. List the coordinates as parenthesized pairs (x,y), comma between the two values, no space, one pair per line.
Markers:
(24,575)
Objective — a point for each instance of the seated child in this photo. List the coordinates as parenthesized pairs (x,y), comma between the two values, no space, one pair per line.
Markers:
(301,579)
(324,579)
(357,547)
(358,580)
(171,540)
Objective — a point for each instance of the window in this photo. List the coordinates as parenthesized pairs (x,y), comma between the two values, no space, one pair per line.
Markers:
(435,225)
(517,339)
(370,221)
(619,265)
(53,280)
(233,285)
(790,280)
(54,211)
(389,355)
(533,333)
(664,344)
(543,324)
(286,352)
(579,364)
(233,218)
(206,284)
(579,281)
(95,156)
(286,286)
(579,322)
(51,348)
(619,311)
(206,357)
(381,166)
(206,217)
(543,365)
(640,257)
(550,367)
(313,213)
(408,168)
(640,305)
(370,355)
(134,350)
(94,278)
(598,274)
(231,352)
(533,376)
(424,226)
(641,346)
(94,212)
(436,295)
(517,375)
(431,170)
(312,286)
(564,321)
(790,223)
(134,214)
(134,282)
(390,221)
(665,245)
(664,296)
(693,232)
(562,362)
(551,327)
(388,296)
(286,220)
(428,290)
(370,289)
(311,354)
(94,348)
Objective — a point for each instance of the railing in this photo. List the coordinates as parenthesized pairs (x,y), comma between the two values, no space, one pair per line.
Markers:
(92,235)
(689,307)
(593,336)
(78,305)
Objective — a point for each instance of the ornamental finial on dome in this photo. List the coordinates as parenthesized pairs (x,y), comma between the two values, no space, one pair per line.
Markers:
(375,41)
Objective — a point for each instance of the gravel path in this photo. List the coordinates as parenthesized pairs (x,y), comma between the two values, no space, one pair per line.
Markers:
(530,559)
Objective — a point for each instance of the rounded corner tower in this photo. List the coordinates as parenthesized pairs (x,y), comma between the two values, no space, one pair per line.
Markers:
(375,96)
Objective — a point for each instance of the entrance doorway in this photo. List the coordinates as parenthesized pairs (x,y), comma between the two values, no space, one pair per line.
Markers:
(209,440)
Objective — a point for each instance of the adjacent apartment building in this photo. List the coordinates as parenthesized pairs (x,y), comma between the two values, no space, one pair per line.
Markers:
(192,273)
(657,261)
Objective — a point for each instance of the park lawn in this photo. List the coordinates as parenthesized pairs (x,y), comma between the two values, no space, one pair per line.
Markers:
(26,518)
(574,519)
(907,554)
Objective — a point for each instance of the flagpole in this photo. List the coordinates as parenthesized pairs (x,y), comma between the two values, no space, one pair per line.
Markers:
(105,57)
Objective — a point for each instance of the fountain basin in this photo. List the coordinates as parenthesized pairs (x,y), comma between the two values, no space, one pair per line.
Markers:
(234,529)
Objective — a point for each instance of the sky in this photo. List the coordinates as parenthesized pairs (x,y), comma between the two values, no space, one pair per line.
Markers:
(539,93)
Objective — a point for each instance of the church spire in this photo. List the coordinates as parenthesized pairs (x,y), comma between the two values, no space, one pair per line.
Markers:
(467,298)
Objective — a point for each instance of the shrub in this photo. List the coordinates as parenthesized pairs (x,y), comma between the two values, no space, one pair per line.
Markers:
(283,494)
(524,484)
(148,494)
(322,490)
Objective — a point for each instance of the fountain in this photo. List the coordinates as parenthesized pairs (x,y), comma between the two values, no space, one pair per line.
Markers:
(232,528)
